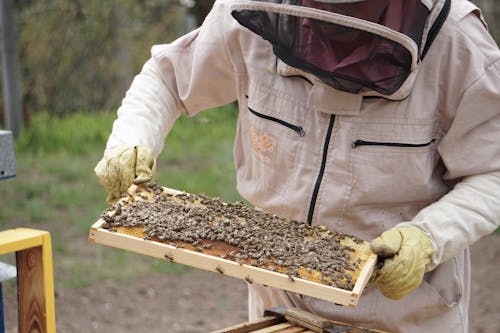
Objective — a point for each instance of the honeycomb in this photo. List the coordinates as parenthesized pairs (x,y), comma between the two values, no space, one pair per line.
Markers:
(236,232)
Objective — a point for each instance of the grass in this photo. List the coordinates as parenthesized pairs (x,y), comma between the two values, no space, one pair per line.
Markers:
(55,188)
(197,156)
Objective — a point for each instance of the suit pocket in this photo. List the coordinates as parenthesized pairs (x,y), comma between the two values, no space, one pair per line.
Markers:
(297,129)
(270,136)
(395,164)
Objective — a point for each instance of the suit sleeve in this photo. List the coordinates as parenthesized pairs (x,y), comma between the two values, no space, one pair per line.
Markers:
(471,153)
(191,74)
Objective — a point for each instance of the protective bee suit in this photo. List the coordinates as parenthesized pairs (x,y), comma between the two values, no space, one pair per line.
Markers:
(389,132)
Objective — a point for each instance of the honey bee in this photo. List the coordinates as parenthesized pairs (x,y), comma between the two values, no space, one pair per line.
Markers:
(169,257)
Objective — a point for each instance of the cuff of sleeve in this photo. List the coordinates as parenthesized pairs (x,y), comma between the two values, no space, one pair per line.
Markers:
(435,258)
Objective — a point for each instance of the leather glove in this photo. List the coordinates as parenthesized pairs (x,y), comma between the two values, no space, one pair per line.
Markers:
(122,166)
(407,252)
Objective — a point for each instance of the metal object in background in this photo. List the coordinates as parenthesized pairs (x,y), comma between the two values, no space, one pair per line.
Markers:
(11,82)
(7,170)
(7,158)
(6,272)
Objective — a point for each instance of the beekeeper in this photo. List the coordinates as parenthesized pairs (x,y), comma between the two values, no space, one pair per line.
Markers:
(375,118)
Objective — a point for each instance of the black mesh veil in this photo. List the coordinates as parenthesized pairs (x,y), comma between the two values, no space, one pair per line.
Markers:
(347,58)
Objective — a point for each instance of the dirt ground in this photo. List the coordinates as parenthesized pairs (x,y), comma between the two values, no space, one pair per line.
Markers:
(199,301)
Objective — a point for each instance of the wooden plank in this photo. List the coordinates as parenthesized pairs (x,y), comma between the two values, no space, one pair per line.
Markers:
(223,266)
(273,329)
(364,275)
(319,324)
(13,240)
(301,317)
(48,283)
(305,324)
(293,329)
(30,290)
(252,325)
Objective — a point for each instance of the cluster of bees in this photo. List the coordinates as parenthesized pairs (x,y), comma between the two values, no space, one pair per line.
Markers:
(248,236)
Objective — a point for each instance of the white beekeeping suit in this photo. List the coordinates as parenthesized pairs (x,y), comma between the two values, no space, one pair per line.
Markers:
(375,118)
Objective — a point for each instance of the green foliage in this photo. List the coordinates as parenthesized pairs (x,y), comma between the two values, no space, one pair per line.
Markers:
(197,151)
(82,55)
(56,190)
(78,134)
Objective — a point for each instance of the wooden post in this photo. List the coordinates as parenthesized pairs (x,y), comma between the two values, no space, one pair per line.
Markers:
(30,291)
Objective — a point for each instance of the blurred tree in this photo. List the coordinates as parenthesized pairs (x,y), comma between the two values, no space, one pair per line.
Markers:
(491,12)
(82,55)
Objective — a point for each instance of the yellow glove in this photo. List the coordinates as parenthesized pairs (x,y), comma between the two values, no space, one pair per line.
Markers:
(122,166)
(407,252)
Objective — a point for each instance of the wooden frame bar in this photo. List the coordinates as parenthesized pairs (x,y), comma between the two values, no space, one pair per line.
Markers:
(293,320)
(231,268)
(253,325)
(35,278)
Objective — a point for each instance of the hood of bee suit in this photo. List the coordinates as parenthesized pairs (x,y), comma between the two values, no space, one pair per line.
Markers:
(367,47)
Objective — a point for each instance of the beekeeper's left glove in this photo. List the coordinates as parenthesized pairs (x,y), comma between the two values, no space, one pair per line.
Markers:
(122,166)
(407,252)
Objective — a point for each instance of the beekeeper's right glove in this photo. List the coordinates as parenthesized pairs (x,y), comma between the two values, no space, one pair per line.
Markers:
(122,166)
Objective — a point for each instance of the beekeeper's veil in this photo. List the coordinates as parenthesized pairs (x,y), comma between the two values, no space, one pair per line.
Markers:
(370,47)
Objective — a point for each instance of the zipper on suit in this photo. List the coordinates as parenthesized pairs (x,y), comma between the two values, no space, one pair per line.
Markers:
(321,170)
(299,130)
(358,143)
